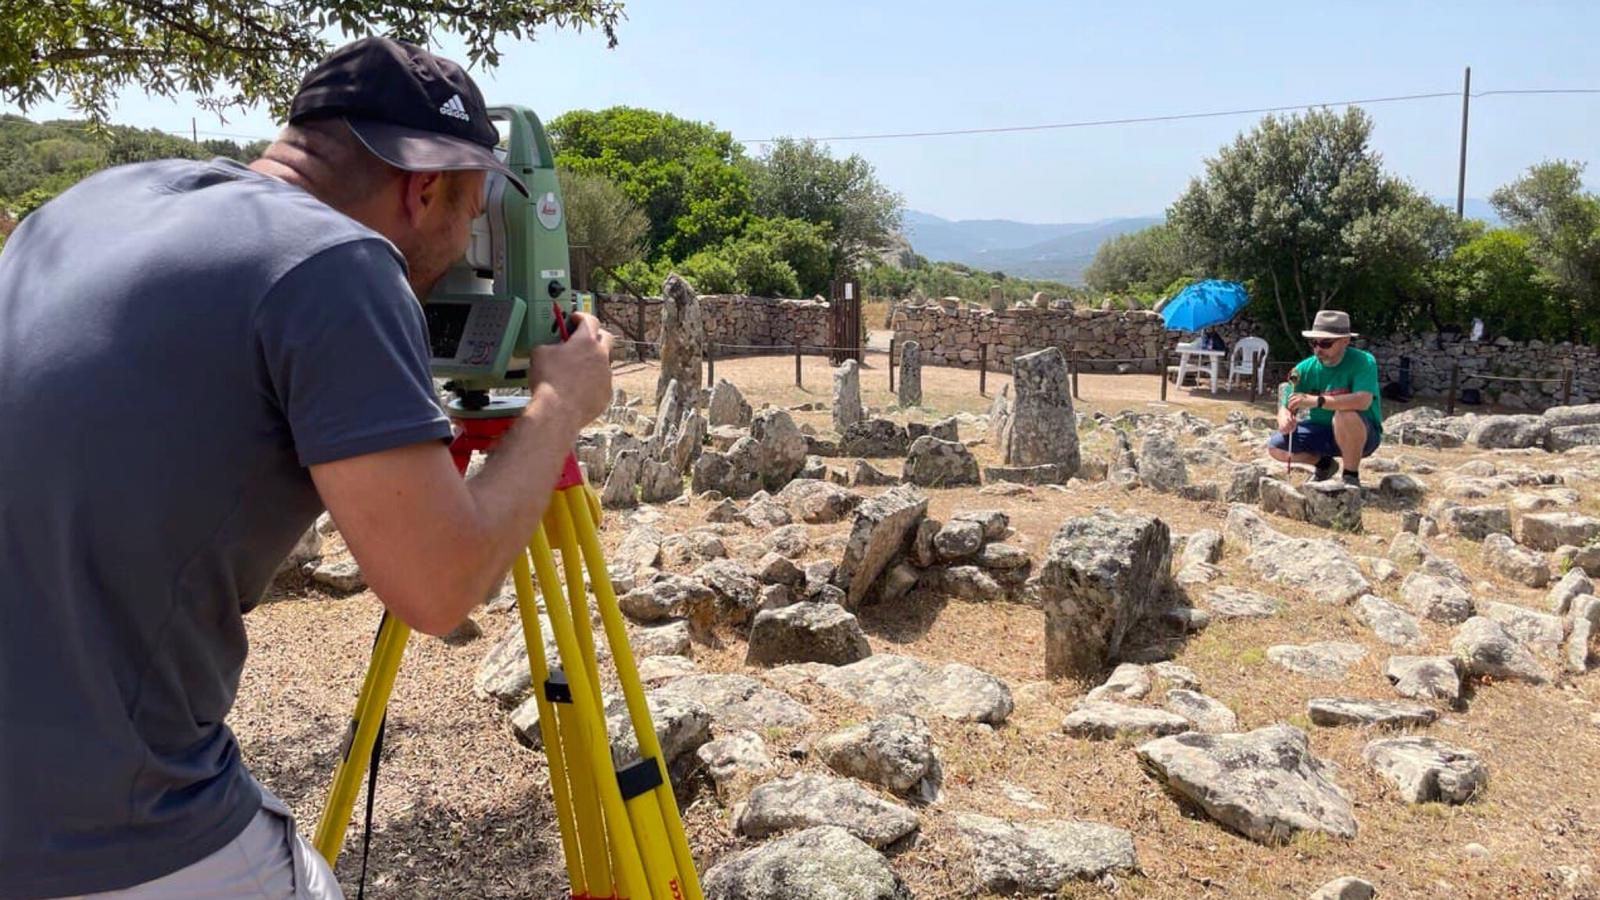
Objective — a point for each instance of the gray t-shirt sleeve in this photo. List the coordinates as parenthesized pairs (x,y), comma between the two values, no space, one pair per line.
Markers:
(344,349)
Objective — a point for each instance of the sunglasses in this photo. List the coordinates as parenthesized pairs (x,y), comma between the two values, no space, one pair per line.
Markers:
(1325,343)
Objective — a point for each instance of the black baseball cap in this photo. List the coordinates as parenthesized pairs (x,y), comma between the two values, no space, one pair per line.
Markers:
(412,109)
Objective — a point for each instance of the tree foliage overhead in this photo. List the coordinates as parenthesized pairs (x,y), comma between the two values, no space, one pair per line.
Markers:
(683,174)
(236,53)
(603,221)
(800,179)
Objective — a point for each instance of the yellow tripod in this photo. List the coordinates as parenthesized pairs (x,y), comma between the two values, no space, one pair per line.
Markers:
(621,832)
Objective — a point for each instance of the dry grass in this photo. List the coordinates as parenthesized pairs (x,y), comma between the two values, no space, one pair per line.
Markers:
(463,810)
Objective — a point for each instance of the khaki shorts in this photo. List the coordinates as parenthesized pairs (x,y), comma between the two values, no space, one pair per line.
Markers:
(268,859)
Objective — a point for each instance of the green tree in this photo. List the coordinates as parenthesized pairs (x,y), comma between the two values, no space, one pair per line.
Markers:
(1290,207)
(803,245)
(602,220)
(683,174)
(234,53)
(800,179)
(1562,224)
(1495,277)
(1141,262)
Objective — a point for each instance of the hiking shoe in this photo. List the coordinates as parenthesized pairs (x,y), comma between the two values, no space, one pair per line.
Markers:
(1326,466)
(1352,478)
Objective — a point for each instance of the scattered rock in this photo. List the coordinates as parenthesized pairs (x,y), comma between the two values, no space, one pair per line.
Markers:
(1508,432)
(344,576)
(1400,489)
(1436,598)
(1540,632)
(894,751)
(972,584)
(1265,784)
(1332,504)
(876,437)
(1322,659)
(1424,677)
(1476,522)
(781,447)
(1128,681)
(806,632)
(1236,603)
(1203,546)
(817,502)
(825,863)
(1484,648)
(806,801)
(672,597)
(1321,568)
(1283,499)
(1393,625)
(1040,857)
(958,539)
(899,684)
(996,524)
(935,463)
(1101,575)
(728,406)
(1549,530)
(1003,556)
(865,474)
(307,549)
(1329,711)
(1426,770)
(1102,719)
(1207,714)
(1161,465)
(739,701)
(879,532)
(740,756)
(1347,887)
(1572,585)
(1522,566)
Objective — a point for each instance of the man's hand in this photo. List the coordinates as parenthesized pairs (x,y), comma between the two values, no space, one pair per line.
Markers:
(575,375)
(1286,420)
(1301,402)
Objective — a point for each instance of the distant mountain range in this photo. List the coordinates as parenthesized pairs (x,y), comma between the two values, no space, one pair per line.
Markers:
(1059,252)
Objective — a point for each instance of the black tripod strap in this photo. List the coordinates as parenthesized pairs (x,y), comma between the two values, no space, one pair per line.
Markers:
(372,790)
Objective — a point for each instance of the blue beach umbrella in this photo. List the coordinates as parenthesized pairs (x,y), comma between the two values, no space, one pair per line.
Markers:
(1203,304)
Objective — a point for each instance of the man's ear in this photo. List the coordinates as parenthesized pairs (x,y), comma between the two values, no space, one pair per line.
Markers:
(421,193)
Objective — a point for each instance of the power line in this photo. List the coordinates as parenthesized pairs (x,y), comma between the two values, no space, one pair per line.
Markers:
(1139,120)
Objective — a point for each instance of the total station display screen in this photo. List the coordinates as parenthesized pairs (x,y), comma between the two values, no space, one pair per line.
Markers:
(447,323)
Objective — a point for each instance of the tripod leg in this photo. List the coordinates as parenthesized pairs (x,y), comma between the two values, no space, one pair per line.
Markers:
(387,652)
(592,740)
(572,507)
(554,747)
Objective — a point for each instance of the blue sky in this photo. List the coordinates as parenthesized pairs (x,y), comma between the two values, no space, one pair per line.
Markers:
(821,68)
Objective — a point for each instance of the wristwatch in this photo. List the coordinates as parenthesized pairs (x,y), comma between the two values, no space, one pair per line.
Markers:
(1321,399)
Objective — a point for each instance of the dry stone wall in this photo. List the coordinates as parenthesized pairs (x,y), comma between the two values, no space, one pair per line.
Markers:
(954,337)
(733,323)
(1432,355)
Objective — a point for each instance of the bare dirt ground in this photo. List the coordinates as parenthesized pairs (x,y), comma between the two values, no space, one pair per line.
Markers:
(463,811)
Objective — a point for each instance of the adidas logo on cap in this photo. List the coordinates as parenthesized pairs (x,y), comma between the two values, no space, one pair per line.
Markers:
(455,108)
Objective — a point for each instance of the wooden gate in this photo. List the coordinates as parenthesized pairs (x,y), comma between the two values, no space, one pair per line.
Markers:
(847,337)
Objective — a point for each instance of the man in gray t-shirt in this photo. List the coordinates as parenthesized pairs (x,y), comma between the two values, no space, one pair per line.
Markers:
(195,360)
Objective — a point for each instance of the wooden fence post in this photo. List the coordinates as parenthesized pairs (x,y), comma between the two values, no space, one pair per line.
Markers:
(1566,385)
(983,370)
(639,318)
(1450,399)
(797,363)
(1072,366)
(891,365)
(711,363)
(1161,369)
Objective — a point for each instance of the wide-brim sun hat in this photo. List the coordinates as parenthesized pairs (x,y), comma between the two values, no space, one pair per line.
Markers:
(1330,323)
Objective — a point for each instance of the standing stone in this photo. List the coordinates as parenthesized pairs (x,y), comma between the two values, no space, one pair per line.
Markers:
(877,535)
(1333,505)
(659,482)
(1102,574)
(847,395)
(1039,428)
(728,406)
(911,374)
(622,485)
(781,447)
(683,343)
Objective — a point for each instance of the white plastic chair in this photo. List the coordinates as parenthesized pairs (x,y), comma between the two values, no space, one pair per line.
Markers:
(1246,359)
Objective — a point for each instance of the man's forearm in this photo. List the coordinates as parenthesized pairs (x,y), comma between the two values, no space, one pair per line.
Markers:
(1360,401)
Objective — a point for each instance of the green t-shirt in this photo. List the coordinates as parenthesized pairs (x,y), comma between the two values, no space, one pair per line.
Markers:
(1357,371)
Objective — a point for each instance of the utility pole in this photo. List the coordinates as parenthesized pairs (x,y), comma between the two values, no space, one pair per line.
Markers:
(1461,177)
(194,130)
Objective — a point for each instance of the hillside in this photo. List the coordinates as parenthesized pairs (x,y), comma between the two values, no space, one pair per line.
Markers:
(1058,251)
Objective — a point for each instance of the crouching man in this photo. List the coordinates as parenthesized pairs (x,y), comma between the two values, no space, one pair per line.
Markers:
(1337,390)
